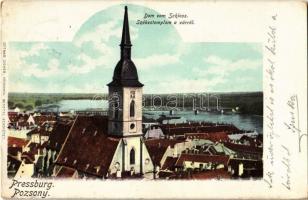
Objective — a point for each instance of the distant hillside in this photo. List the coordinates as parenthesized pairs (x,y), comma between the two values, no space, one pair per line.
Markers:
(248,102)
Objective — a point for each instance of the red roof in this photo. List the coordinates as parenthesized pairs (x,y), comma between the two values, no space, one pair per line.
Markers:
(243,148)
(213,174)
(13,165)
(169,163)
(58,135)
(16,142)
(202,158)
(44,118)
(88,148)
(191,124)
(14,150)
(158,147)
(21,119)
(13,116)
(65,172)
(28,157)
(215,136)
(252,141)
(197,128)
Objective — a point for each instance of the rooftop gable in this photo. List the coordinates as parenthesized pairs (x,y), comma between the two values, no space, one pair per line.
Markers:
(88,148)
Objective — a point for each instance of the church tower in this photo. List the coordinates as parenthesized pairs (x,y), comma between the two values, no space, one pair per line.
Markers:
(125,92)
(125,112)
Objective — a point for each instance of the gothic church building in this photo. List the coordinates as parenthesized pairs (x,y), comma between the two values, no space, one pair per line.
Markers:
(113,146)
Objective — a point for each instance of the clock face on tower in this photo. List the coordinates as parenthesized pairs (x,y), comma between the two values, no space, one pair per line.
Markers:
(132,127)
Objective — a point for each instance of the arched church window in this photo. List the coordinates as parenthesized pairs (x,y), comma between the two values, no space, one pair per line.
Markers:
(132,156)
(132,108)
(116,110)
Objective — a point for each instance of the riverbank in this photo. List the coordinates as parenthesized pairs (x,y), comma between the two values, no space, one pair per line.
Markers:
(246,102)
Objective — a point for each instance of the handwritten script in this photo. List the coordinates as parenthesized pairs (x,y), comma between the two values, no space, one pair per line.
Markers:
(283,159)
(270,101)
(293,123)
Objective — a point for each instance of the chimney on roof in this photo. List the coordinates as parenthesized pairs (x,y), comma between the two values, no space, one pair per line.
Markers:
(18,155)
(87,166)
(36,157)
(97,169)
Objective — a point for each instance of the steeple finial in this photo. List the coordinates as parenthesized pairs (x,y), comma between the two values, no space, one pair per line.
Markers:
(125,42)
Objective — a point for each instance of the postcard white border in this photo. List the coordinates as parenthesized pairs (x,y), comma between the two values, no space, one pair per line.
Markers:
(234,24)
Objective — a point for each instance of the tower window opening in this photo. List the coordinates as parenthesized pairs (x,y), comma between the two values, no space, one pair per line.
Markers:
(132,108)
(116,110)
(132,157)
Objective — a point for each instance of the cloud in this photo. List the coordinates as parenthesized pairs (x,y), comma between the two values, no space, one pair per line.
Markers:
(99,38)
(17,57)
(156,60)
(223,67)
(34,50)
(219,71)
(23,86)
(92,87)
(52,69)
(102,33)
(216,60)
(257,48)
(166,70)
(184,85)
(88,64)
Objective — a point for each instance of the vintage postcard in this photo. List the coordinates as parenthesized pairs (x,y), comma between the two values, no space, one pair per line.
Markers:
(154,99)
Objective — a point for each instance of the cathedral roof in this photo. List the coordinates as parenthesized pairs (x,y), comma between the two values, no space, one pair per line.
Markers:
(58,135)
(125,73)
(65,172)
(88,148)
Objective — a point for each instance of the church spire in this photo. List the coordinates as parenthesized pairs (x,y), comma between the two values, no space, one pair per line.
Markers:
(125,73)
(125,42)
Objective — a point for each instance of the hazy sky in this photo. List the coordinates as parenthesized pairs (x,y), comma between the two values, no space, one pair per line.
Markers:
(165,63)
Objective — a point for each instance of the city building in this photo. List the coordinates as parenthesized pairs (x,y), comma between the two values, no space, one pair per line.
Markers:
(112,146)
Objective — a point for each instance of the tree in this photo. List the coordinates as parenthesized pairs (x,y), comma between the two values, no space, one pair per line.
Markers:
(11,104)
(19,105)
(38,103)
(29,107)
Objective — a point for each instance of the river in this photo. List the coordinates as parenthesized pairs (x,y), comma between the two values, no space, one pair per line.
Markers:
(242,121)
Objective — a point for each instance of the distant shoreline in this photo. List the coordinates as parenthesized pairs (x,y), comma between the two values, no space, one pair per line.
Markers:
(247,102)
